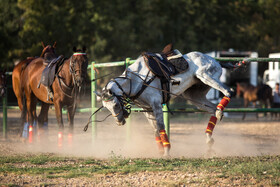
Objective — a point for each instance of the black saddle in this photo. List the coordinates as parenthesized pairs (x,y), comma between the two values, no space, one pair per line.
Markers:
(164,66)
(48,74)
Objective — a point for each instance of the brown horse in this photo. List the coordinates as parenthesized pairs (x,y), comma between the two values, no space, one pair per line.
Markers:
(70,76)
(3,85)
(261,93)
(48,53)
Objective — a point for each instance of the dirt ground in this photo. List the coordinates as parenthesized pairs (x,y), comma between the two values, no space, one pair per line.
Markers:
(233,137)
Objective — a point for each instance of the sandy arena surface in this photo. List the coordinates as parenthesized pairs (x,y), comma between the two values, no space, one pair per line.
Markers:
(233,137)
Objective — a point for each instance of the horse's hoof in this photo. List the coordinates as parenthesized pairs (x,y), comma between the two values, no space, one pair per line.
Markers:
(166,152)
(209,140)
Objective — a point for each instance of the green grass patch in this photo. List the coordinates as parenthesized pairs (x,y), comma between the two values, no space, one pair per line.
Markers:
(51,166)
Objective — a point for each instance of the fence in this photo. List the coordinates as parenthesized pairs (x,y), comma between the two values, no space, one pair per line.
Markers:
(126,63)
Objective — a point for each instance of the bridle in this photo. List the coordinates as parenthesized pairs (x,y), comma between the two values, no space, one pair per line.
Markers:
(124,99)
(73,70)
(75,88)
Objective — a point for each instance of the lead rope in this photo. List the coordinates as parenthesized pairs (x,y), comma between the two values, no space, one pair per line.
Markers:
(89,119)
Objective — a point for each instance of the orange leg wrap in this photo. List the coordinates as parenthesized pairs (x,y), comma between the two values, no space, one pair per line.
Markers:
(159,144)
(60,139)
(164,138)
(211,125)
(30,133)
(224,102)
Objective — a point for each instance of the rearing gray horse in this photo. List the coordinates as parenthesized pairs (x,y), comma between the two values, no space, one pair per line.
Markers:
(193,84)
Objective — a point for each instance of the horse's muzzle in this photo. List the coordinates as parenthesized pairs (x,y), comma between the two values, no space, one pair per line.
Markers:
(120,123)
(80,82)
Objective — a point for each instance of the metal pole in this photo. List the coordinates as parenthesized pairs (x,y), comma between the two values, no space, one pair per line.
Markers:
(93,100)
(166,119)
(5,115)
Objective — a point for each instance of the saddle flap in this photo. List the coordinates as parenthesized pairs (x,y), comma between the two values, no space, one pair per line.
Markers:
(159,65)
(48,74)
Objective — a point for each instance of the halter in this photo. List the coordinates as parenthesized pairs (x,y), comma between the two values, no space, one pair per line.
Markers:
(123,99)
(72,70)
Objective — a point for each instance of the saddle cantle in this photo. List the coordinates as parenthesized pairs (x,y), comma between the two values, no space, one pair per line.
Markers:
(48,74)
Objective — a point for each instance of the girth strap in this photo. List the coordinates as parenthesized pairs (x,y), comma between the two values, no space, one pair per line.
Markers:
(144,86)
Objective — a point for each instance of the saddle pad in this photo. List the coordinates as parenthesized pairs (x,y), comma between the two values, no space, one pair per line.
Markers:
(180,64)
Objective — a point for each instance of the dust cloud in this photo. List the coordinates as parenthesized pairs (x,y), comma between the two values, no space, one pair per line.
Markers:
(233,137)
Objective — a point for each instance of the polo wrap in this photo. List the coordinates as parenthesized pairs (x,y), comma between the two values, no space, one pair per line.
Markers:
(224,102)
(159,143)
(164,138)
(211,125)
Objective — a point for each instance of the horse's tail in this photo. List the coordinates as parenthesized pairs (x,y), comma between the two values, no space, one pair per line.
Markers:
(264,93)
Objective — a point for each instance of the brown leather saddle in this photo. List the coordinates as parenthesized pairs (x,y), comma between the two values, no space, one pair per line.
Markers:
(49,73)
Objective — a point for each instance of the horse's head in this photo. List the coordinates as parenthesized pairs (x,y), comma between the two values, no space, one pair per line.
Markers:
(2,83)
(48,52)
(78,66)
(115,104)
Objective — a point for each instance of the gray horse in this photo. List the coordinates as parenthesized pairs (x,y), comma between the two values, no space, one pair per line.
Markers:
(203,73)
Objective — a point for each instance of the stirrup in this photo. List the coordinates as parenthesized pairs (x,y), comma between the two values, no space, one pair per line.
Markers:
(50,96)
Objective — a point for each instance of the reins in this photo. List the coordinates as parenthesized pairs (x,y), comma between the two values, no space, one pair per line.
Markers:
(89,119)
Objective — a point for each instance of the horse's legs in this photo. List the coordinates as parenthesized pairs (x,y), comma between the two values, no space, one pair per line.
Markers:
(255,106)
(152,120)
(71,114)
(158,115)
(246,103)
(23,118)
(197,96)
(216,84)
(31,102)
(58,112)
(43,119)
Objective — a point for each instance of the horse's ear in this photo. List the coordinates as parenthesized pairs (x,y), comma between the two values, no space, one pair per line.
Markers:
(84,49)
(74,49)
(43,44)
(168,48)
(54,45)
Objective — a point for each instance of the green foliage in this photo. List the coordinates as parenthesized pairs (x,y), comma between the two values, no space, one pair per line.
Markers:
(116,29)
